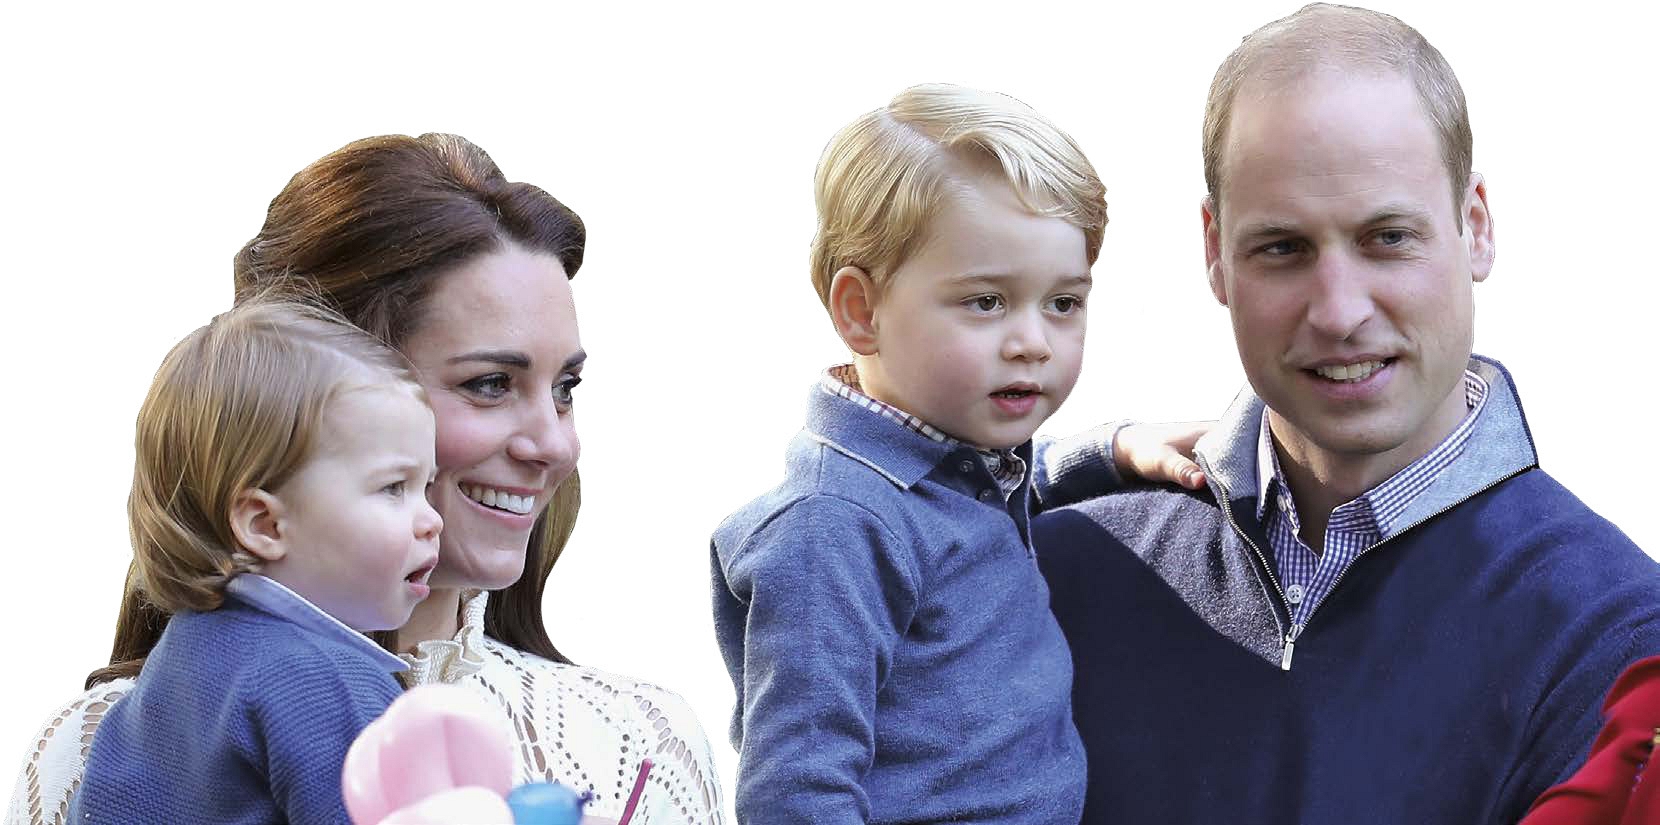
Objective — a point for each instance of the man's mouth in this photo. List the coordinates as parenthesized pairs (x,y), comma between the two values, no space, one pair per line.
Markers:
(1351,373)
(498,499)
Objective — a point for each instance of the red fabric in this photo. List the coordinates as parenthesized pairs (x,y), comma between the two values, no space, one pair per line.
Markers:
(1608,789)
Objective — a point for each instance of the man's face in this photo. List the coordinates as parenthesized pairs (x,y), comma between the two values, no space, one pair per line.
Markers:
(1339,253)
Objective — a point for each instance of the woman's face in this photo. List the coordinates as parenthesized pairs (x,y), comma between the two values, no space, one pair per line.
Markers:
(498,352)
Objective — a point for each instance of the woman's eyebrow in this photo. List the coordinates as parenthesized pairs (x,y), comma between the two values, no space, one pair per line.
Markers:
(506,358)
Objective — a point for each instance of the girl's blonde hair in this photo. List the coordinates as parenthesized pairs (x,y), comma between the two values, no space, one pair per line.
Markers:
(236,405)
(883,176)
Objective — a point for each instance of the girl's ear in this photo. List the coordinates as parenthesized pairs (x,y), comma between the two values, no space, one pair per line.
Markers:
(853,309)
(257,523)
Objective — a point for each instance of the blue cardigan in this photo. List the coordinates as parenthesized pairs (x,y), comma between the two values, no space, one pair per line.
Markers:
(242,715)
(1452,675)
(889,636)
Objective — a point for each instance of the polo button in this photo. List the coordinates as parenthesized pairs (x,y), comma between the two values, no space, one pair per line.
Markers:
(985,495)
(1294,594)
(965,466)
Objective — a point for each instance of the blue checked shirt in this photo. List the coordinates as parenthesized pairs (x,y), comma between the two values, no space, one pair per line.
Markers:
(1354,527)
(1007,469)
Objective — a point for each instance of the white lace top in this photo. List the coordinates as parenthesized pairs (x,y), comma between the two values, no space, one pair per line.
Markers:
(582,727)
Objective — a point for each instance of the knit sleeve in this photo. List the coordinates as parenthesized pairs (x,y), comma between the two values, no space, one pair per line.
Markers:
(827,591)
(304,711)
(1072,469)
(56,758)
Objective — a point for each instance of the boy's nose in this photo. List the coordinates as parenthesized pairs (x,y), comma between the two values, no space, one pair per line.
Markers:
(1027,340)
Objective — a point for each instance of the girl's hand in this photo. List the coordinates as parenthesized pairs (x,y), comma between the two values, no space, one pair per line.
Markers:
(1160,452)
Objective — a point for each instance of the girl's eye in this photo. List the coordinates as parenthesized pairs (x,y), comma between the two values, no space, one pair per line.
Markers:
(494,385)
(562,391)
(396,488)
(986,303)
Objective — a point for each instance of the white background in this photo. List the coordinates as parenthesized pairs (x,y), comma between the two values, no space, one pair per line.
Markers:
(142,145)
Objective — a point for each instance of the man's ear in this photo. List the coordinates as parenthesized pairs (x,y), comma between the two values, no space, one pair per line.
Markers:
(1478,228)
(1210,219)
(853,309)
(257,523)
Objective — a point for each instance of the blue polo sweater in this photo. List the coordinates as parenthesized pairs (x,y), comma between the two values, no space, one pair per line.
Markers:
(889,636)
(242,714)
(1453,674)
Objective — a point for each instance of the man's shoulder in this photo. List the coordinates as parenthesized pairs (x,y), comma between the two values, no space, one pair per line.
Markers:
(1137,517)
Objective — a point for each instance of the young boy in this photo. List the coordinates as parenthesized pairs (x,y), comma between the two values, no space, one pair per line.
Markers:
(880,611)
(278,508)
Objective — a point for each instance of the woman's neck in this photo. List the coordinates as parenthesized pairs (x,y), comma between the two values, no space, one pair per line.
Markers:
(438,616)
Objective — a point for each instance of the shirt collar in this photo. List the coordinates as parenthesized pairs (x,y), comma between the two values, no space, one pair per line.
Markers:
(901,446)
(1378,507)
(270,596)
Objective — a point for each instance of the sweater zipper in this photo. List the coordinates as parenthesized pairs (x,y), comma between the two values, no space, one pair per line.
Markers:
(1290,645)
(1297,629)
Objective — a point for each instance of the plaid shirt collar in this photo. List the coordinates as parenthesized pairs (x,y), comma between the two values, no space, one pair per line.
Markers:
(1007,469)
(1377,509)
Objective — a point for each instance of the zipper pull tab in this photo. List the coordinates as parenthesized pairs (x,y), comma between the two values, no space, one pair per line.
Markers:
(1290,648)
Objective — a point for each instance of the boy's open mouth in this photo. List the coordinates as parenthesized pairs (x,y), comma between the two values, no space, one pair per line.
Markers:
(1015,391)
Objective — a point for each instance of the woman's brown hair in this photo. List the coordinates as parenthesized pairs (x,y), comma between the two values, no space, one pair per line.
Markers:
(370,228)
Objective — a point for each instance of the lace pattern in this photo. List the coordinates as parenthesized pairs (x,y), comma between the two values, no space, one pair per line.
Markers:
(582,727)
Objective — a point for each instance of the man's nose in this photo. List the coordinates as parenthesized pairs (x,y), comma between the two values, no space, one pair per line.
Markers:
(1340,297)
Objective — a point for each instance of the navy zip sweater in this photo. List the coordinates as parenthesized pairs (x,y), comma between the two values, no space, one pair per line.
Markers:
(1453,674)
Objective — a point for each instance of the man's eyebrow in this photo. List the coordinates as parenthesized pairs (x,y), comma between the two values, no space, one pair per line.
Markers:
(1398,213)
(1265,229)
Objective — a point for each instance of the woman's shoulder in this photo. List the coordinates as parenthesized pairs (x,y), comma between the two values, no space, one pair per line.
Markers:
(56,756)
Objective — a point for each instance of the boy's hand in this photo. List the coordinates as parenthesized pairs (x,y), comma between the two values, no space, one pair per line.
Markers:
(1160,452)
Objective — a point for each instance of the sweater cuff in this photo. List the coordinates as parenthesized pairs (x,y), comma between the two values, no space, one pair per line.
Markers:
(1078,467)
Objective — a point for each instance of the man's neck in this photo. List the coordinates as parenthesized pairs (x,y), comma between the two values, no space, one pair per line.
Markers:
(438,616)
(1322,480)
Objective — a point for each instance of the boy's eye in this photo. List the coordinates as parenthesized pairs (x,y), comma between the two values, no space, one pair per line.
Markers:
(494,385)
(1066,304)
(562,391)
(986,303)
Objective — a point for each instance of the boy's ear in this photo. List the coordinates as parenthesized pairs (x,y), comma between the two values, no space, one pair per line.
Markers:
(853,309)
(257,524)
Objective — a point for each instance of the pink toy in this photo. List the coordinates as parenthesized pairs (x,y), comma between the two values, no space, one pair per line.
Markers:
(439,755)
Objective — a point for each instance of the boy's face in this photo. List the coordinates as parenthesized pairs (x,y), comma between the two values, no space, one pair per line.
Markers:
(980,332)
(359,537)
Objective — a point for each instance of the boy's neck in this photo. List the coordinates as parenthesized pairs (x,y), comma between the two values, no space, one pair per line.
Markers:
(438,616)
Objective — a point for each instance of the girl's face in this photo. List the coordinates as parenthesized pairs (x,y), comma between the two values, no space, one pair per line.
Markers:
(498,352)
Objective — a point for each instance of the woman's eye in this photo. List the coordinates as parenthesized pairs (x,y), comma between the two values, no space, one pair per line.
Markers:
(494,385)
(562,391)
(986,303)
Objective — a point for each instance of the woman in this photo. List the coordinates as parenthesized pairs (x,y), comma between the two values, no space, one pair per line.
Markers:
(423,242)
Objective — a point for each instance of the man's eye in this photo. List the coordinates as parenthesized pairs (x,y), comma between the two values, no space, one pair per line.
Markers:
(494,385)
(1392,237)
(1280,249)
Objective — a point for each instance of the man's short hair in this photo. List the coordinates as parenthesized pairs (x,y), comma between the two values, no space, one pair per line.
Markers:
(883,176)
(1321,35)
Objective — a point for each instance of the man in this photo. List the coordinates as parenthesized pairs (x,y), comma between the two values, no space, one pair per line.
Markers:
(1380,609)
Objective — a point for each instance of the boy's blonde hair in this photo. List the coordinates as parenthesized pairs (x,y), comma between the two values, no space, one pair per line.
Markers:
(1325,35)
(884,175)
(236,405)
